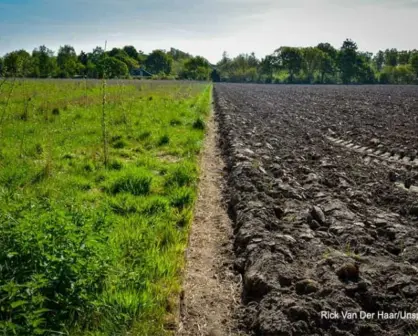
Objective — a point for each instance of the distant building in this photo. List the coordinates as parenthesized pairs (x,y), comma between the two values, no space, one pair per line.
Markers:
(140,72)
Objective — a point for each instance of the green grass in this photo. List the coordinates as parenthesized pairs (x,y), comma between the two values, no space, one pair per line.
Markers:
(87,250)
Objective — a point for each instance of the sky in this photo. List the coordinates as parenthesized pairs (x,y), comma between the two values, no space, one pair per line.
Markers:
(207,28)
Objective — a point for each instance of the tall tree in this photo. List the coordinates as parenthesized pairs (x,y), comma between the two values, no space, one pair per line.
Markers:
(414,64)
(312,58)
(347,59)
(290,59)
(18,63)
(391,57)
(196,68)
(158,62)
(403,57)
(44,60)
(131,52)
(67,62)
(379,60)
(267,67)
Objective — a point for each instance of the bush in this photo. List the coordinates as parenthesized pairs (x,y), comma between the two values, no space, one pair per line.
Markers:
(53,266)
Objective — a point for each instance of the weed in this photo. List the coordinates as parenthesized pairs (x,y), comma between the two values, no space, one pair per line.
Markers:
(164,140)
(199,124)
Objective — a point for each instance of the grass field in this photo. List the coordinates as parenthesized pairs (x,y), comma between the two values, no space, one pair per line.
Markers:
(89,248)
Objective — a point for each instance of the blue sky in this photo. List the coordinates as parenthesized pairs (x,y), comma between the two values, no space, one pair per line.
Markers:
(207,28)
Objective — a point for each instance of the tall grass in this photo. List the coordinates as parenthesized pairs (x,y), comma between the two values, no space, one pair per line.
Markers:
(88,249)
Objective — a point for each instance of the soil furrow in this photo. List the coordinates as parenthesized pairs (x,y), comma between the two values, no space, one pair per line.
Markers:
(317,229)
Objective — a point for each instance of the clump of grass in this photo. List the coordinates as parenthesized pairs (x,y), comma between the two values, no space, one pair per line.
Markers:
(89,167)
(199,124)
(182,175)
(164,140)
(119,144)
(181,198)
(144,135)
(116,165)
(175,122)
(135,182)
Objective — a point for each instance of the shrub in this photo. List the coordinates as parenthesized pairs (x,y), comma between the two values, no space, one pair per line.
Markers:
(53,267)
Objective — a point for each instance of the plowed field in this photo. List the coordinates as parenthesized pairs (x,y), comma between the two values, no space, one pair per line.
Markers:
(323,185)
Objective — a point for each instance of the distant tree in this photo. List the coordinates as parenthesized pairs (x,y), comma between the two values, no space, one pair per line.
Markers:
(1,67)
(111,67)
(267,67)
(18,64)
(196,68)
(312,61)
(131,52)
(379,60)
(96,56)
(326,67)
(83,58)
(329,50)
(364,72)
(414,64)
(44,62)
(391,57)
(403,57)
(215,76)
(347,59)
(290,59)
(67,61)
(158,62)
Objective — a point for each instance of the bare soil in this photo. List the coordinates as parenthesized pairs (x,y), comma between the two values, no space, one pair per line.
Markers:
(321,191)
(211,296)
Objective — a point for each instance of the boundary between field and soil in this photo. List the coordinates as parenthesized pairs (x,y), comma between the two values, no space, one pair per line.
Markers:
(211,292)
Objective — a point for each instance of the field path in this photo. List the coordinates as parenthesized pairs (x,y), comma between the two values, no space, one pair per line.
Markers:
(211,292)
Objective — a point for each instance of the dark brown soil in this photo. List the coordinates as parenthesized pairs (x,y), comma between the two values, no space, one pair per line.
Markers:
(320,227)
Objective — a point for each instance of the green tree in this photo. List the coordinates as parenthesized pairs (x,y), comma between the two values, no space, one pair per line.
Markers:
(196,68)
(364,71)
(347,59)
(379,60)
(67,61)
(312,61)
(391,57)
(159,62)
(403,57)
(111,67)
(290,59)
(18,64)
(44,62)
(131,52)
(414,64)
(267,67)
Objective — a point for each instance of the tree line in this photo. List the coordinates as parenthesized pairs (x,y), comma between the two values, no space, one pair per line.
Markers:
(116,63)
(322,64)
